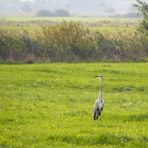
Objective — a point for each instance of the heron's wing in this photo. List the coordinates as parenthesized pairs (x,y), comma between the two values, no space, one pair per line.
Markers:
(96,110)
(96,105)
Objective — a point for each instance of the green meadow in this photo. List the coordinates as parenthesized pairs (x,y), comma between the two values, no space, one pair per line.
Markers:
(55,19)
(33,24)
(51,105)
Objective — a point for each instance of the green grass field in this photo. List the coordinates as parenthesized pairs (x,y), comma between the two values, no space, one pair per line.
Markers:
(58,19)
(51,105)
(104,25)
(101,29)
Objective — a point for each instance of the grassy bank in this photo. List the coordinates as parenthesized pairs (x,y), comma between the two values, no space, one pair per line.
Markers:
(44,105)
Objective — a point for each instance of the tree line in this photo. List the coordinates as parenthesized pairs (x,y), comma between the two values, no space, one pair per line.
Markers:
(56,13)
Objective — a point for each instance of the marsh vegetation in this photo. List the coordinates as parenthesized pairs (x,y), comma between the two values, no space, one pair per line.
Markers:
(72,41)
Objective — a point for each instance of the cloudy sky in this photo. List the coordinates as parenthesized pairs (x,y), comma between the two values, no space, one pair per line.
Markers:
(100,7)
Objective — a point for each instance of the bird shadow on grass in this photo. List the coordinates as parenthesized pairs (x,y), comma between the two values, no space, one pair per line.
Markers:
(107,139)
(130,118)
(141,117)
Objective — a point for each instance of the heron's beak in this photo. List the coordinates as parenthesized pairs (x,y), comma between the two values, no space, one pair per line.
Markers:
(97,77)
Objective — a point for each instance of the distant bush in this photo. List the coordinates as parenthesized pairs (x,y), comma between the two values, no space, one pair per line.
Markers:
(72,42)
(44,13)
(57,13)
(61,13)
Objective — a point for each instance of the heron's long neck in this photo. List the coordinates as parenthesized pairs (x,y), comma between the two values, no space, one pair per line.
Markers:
(100,94)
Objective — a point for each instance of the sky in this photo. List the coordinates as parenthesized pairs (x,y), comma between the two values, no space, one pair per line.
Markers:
(83,7)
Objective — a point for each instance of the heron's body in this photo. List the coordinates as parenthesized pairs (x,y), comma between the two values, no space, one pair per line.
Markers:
(99,103)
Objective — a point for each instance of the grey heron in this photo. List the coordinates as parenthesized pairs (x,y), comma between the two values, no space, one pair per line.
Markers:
(99,103)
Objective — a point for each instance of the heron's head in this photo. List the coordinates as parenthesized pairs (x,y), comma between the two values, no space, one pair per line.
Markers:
(100,77)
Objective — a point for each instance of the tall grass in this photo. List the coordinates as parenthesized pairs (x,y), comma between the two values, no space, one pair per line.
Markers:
(71,41)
